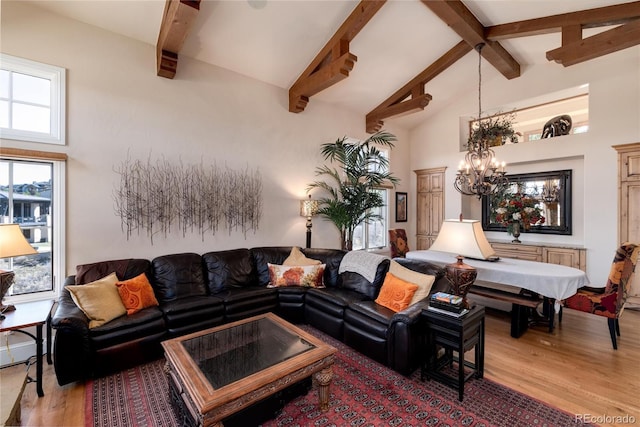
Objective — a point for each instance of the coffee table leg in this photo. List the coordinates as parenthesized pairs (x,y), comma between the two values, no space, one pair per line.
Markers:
(323,379)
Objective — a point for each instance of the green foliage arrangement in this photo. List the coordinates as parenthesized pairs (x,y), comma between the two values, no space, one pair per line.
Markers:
(519,208)
(360,168)
(497,126)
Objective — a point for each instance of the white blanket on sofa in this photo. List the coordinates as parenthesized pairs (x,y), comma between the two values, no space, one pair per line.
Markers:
(361,262)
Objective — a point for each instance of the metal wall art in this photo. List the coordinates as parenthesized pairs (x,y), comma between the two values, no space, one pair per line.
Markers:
(196,198)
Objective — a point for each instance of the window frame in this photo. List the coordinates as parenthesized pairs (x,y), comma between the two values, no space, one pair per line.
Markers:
(58,244)
(57,114)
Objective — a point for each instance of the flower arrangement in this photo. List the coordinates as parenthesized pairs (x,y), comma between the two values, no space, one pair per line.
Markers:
(518,208)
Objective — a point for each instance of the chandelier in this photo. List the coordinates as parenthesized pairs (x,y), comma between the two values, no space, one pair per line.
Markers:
(480,173)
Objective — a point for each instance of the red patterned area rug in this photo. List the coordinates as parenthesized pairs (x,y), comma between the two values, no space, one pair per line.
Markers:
(363,393)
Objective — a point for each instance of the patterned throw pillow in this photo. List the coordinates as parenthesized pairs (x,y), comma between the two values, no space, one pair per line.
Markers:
(98,300)
(136,294)
(396,294)
(424,281)
(309,276)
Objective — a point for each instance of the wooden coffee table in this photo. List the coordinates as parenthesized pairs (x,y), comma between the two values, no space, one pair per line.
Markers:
(217,372)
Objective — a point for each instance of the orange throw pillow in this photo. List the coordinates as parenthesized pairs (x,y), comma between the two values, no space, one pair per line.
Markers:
(396,294)
(136,294)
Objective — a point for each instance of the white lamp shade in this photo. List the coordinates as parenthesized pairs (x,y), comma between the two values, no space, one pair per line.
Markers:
(12,242)
(463,237)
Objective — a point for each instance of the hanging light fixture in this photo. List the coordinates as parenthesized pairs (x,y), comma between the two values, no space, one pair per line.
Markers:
(480,173)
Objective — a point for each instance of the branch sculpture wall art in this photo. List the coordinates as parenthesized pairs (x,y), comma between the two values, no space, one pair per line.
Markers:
(158,197)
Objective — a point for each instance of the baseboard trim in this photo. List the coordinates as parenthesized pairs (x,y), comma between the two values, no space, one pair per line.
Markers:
(19,352)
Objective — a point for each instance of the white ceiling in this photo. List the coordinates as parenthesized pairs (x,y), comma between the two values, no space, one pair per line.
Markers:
(274,41)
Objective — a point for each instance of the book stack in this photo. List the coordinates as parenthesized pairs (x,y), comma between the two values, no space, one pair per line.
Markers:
(442,301)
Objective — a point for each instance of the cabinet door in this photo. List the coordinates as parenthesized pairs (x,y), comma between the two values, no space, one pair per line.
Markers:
(562,256)
(630,211)
(437,213)
(630,166)
(424,208)
(424,242)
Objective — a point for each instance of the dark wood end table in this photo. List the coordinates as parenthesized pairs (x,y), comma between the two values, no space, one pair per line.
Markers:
(453,334)
(26,315)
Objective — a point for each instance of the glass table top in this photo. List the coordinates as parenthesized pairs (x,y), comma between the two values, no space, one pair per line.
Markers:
(230,354)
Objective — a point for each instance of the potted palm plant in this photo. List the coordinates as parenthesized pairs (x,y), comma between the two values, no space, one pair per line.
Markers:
(360,168)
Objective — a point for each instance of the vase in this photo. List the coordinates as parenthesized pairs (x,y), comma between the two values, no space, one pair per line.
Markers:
(516,232)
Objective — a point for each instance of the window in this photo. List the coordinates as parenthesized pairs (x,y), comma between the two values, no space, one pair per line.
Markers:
(373,235)
(32,101)
(31,195)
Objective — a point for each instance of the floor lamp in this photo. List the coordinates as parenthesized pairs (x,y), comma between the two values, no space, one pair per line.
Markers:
(308,208)
(464,238)
(12,243)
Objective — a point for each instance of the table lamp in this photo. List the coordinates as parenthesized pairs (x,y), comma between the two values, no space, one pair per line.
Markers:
(464,238)
(12,243)
(308,208)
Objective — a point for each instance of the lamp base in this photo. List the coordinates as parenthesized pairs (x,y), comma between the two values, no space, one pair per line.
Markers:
(461,277)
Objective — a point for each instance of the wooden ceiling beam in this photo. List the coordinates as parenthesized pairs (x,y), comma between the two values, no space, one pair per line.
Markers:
(412,97)
(177,21)
(613,40)
(590,18)
(460,19)
(334,61)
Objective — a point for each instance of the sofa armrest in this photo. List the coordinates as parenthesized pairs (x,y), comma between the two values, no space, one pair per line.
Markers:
(71,347)
(411,314)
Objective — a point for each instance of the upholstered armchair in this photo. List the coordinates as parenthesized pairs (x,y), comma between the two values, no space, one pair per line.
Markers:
(610,302)
(398,242)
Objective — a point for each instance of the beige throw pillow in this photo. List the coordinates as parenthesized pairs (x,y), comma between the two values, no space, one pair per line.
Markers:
(99,300)
(424,281)
(297,258)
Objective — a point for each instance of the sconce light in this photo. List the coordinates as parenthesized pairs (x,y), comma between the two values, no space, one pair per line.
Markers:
(308,208)
(13,244)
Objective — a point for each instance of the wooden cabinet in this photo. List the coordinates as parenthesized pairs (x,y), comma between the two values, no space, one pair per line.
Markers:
(430,205)
(561,255)
(629,204)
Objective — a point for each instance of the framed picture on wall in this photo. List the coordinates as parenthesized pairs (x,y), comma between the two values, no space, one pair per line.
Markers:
(401,207)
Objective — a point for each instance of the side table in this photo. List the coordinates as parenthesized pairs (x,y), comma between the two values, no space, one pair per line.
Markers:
(26,315)
(453,334)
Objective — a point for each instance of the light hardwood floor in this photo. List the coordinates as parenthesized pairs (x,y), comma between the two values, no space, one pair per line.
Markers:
(574,368)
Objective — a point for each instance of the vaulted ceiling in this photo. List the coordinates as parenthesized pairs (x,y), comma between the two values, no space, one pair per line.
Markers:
(386,60)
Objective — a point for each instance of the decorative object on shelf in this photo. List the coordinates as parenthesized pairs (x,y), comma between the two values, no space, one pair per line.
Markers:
(308,209)
(480,173)
(13,244)
(515,232)
(551,190)
(558,126)
(464,238)
(352,195)
(518,211)
(401,207)
(158,197)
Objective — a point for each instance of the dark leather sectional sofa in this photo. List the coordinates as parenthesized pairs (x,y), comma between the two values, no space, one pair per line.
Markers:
(201,291)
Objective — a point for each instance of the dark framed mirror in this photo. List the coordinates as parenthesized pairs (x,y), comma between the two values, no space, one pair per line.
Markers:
(551,196)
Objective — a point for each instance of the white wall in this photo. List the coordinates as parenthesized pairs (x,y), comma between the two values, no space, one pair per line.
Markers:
(614,108)
(118,107)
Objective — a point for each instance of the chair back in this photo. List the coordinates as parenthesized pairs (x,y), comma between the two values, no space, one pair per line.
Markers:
(398,242)
(621,274)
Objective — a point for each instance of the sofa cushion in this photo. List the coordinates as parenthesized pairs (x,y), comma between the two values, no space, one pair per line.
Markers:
(309,276)
(177,276)
(331,258)
(225,269)
(127,328)
(423,281)
(99,300)
(262,256)
(136,294)
(296,257)
(396,294)
(124,269)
